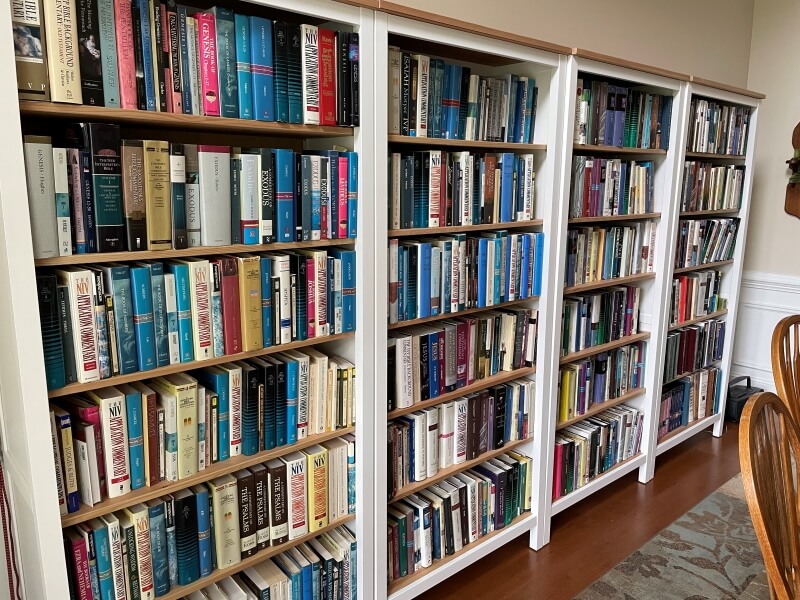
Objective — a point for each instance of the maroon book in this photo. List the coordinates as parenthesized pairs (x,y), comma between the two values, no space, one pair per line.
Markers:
(462,352)
(231,319)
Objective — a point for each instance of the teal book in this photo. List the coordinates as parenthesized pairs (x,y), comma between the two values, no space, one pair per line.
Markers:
(203,529)
(159,313)
(142,289)
(117,281)
(266,301)
(292,376)
(183,300)
(158,546)
(135,418)
(293,572)
(216,379)
(102,550)
(226,62)
(108,52)
(243,71)
(187,537)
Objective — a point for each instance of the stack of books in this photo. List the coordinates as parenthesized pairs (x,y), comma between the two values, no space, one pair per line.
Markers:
(426,362)
(99,322)
(702,241)
(695,295)
(607,113)
(95,192)
(602,253)
(446,275)
(590,320)
(147,549)
(694,347)
(172,427)
(431,98)
(610,187)
(707,186)
(162,56)
(446,517)
(425,441)
(434,188)
(598,379)
(717,128)
(588,449)
(690,399)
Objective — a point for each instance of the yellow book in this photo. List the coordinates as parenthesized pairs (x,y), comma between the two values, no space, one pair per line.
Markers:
(564,404)
(184,388)
(157,195)
(250,302)
(317,486)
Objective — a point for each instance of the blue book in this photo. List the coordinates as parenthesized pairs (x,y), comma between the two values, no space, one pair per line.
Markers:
(292,571)
(280,401)
(526,265)
(292,378)
(348,258)
(142,289)
(135,417)
(530,111)
(203,529)
(412,274)
(498,261)
(216,379)
(243,72)
(306,572)
(507,187)
(262,69)
(172,548)
(437,77)
(483,257)
(147,54)
(538,262)
(159,312)
(251,382)
(284,194)
(401,290)
(226,62)
(102,550)
(94,578)
(452,101)
(352,194)
(158,546)
(186,86)
(317,585)
(424,280)
(117,281)
(183,300)
(186,534)
(266,300)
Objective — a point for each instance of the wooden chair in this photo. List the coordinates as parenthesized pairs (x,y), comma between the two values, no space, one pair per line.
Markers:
(786,362)
(769,453)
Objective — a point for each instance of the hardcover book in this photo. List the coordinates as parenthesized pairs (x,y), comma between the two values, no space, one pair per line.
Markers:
(62,61)
(203,529)
(41,195)
(157,195)
(215,197)
(30,50)
(186,537)
(226,62)
(247,524)
(225,510)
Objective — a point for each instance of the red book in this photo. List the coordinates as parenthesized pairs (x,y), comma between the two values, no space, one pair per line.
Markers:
(342,224)
(462,352)
(209,81)
(327,77)
(90,413)
(79,559)
(325,209)
(231,313)
(587,182)
(123,22)
(311,301)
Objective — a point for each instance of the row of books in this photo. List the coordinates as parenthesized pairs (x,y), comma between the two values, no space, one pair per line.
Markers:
(707,186)
(692,398)
(118,319)
(695,295)
(425,362)
(595,445)
(717,128)
(693,348)
(433,188)
(601,253)
(161,56)
(445,275)
(422,443)
(590,320)
(702,241)
(609,187)
(448,516)
(608,114)
(147,549)
(599,378)
(104,194)
(172,427)
(429,97)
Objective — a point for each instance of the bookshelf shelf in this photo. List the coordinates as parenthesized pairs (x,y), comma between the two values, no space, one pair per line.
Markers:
(182,591)
(77,388)
(462,558)
(609,218)
(106,257)
(604,283)
(482,384)
(696,320)
(404,140)
(703,267)
(598,408)
(419,231)
(614,150)
(216,470)
(461,313)
(677,436)
(691,214)
(710,156)
(413,488)
(623,341)
(161,120)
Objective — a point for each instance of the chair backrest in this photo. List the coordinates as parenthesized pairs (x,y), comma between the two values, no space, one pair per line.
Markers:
(769,453)
(786,362)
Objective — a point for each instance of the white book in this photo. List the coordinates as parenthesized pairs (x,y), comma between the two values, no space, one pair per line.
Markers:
(139,515)
(82,468)
(41,195)
(215,195)
(231,589)
(446,420)
(296,493)
(425,530)
(303,392)
(395,56)
(193,225)
(309,38)
(337,477)
(432,440)
(423,81)
(166,400)
(81,286)
(114,425)
(235,407)
(54,435)
(404,394)
(200,285)
(250,192)
(172,318)
(212,592)
(85,432)
(115,554)
(473,512)
(460,431)
(62,202)
(318,390)
(472,98)
(393,279)
(193,66)
(281,268)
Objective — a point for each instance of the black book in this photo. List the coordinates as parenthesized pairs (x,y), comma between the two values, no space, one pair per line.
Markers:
(251,382)
(247,523)
(91,63)
(405,94)
(344,91)
(280,402)
(463,502)
(47,291)
(407,192)
(138,56)
(277,494)
(391,380)
(473,425)
(186,537)
(302,297)
(499,394)
(260,505)
(268,195)
(354,77)
(158,59)
(103,142)
(295,79)
(293,285)
(464,103)
(483,424)
(268,407)
(180,237)
(70,372)
(412,103)
(519,338)
(280,50)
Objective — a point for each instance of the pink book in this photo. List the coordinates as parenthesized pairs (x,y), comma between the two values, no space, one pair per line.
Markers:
(311,278)
(207,45)
(557,458)
(123,21)
(79,557)
(343,170)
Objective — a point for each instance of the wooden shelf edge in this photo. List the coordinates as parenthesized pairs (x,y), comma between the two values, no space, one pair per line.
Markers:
(445,473)
(461,313)
(585,353)
(703,267)
(689,214)
(408,140)
(714,156)
(77,388)
(617,149)
(598,408)
(727,88)
(481,384)
(216,470)
(603,283)
(629,64)
(632,217)
(420,231)
(708,317)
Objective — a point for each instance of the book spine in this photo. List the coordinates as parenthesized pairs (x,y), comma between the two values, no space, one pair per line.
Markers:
(342,223)
(158,545)
(62,202)
(203,531)
(115,446)
(226,62)
(79,554)
(310,69)
(157,195)
(215,199)
(90,62)
(106,172)
(343,92)
(41,194)
(81,302)
(108,53)
(62,59)
(266,302)
(195,81)
(352,194)
(32,83)
(172,547)
(261,69)
(157,17)
(172,54)
(207,39)
(327,77)
(278,509)
(247,526)
(64,428)
(60,483)
(261,509)
(186,73)
(184,307)
(143,325)
(133,407)
(133,194)
(284,194)
(296,500)
(353,59)
(243,68)
(280,50)
(317,490)
(200,294)
(148,60)
(177,177)
(160,314)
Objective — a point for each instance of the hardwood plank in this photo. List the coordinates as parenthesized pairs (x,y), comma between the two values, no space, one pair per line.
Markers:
(590,148)
(634,217)
(216,470)
(461,313)
(586,352)
(703,213)
(714,315)
(406,140)
(77,388)
(628,64)
(482,384)
(712,156)
(703,267)
(417,231)
(726,88)
(604,283)
(598,408)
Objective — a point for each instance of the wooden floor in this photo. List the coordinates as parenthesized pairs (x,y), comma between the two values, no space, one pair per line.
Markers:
(593,536)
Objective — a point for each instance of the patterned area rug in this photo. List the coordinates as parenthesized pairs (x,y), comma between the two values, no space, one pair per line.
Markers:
(711,552)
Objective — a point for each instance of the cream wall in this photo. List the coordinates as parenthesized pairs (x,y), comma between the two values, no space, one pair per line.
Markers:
(708,38)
